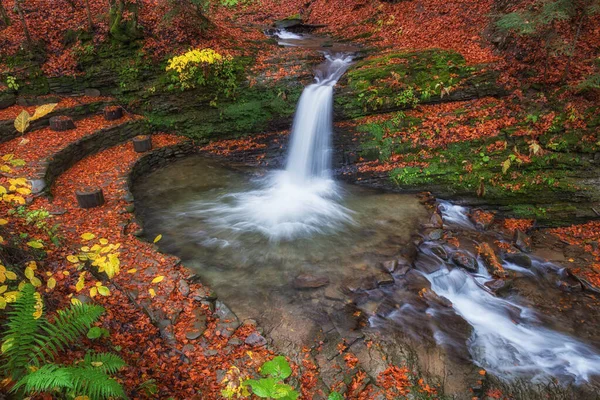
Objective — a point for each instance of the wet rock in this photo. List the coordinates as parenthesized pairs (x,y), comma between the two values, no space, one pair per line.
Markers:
(255,340)
(390,266)
(436,234)
(520,259)
(235,341)
(204,293)
(211,353)
(570,285)
(197,326)
(465,261)
(308,281)
(522,241)
(384,279)
(499,286)
(415,281)
(228,321)
(433,297)
(333,293)
(436,220)
(386,308)
(183,287)
(361,285)
(188,348)
(427,263)
(440,251)
(347,322)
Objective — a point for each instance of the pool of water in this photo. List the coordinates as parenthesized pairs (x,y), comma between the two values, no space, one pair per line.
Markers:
(269,280)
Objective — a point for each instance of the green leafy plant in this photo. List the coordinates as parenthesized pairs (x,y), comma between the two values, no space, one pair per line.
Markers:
(40,219)
(272,386)
(11,82)
(31,343)
(335,396)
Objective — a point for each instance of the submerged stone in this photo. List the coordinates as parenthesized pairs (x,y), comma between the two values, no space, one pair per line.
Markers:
(308,281)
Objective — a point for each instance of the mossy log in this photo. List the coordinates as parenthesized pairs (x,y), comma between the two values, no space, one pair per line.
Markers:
(90,197)
(142,144)
(113,113)
(61,123)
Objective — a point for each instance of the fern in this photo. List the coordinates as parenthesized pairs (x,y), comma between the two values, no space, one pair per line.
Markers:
(68,326)
(21,336)
(76,380)
(30,341)
(106,362)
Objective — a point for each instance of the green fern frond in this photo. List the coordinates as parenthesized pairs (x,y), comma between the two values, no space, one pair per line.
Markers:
(21,336)
(69,325)
(95,384)
(49,378)
(106,362)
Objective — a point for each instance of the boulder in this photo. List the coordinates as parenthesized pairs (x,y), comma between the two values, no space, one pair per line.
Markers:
(522,241)
(520,259)
(465,261)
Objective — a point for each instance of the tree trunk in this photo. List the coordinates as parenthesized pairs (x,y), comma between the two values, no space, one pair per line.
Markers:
(4,14)
(89,15)
(23,22)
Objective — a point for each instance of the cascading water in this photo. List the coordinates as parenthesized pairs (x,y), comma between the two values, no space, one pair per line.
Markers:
(302,199)
(508,339)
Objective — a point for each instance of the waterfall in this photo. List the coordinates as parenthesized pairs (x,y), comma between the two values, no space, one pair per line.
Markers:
(302,200)
(310,152)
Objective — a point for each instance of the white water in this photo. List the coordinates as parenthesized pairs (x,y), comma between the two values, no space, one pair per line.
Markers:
(508,340)
(285,35)
(303,199)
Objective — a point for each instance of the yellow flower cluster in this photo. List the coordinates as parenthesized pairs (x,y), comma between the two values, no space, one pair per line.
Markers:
(204,56)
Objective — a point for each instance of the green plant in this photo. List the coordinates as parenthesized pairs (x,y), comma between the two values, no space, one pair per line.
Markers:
(39,218)
(272,386)
(335,396)
(11,82)
(31,343)
(407,98)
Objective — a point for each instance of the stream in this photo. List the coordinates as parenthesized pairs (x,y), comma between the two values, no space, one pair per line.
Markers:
(298,252)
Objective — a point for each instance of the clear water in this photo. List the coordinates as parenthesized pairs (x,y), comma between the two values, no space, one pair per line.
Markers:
(253,273)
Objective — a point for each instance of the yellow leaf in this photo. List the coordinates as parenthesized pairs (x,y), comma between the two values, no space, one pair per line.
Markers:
(11,297)
(152,292)
(8,343)
(43,110)
(35,244)
(88,236)
(96,363)
(22,122)
(2,303)
(35,281)
(95,247)
(104,291)
(85,249)
(51,283)
(156,239)
(93,292)
(73,259)
(158,279)
(29,273)
(80,282)
(81,398)
(1,240)
(3,289)
(66,273)
(8,157)
(11,276)
(132,271)
(18,181)
(24,191)
(3,221)
(76,302)
(103,241)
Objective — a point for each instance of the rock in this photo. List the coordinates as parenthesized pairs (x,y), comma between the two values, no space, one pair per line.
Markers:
(210,353)
(520,259)
(498,286)
(333,293)
(436,234)
(183,287)
(389,266)
(37,185)
(384,279)
(235,341)
(570,286)
(440,251)
(228,321)
(91,92)
(255,340)
(465,261)
(436,220)
(308,281)
(197,326)
(428,263)
(522,241)
(188,348)
(204,293)
(433,297)
(193,334)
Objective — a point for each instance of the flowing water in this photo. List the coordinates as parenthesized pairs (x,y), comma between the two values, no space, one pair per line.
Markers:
(284,246)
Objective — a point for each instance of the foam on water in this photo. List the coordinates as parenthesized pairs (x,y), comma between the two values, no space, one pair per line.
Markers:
(303,199)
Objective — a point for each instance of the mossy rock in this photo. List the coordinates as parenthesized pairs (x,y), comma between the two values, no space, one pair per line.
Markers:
(401,80)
